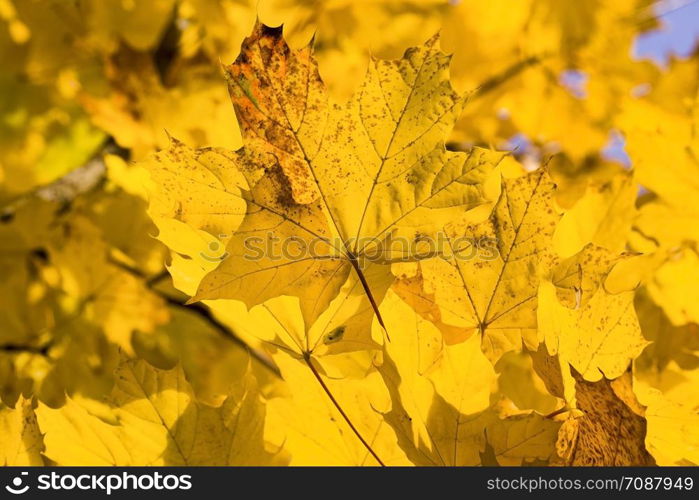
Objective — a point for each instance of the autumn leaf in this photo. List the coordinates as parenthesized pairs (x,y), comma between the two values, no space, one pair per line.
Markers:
(675,444)
(153,418)
(385,255)
(441,410)
(434,428)
(312,427)
(21,439)
(598,333)
(671,346)
(523,437)
(612,429)
(92,440)
(319,174)
(489,283)
(603,216)
(336,404)
(212,361)
(519,382)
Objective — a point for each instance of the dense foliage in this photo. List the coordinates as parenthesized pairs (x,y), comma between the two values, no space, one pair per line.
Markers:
(380,254)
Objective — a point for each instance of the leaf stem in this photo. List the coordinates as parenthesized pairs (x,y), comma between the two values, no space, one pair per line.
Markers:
(370,296)
(307,359)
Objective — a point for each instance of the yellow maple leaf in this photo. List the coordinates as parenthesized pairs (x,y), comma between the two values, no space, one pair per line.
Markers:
(319,175)
(488,284)
(346,430)
(519,382)
(154,418)
(20,438)
(441,400)
(674,444)
(597,332)
(603,216)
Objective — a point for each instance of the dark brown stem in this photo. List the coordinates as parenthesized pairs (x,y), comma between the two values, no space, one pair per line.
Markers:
(307,359)
(370,296)
(41,350)
(557,412)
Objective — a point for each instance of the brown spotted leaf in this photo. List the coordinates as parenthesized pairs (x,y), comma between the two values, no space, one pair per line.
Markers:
(328,188)
(612,429)
(595,331)
(488,281)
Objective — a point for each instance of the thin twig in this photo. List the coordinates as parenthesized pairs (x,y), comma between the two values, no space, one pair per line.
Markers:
(41,350)
(205,313)
(495,81)
(200,309)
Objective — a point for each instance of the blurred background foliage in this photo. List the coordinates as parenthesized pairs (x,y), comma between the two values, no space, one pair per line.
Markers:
(86,86)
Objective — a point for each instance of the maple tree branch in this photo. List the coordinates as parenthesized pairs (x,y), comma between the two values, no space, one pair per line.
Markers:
(495,81)
(307,359)
(200,309)
(41,350)
(205,314)
(84,178)
(156,278)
